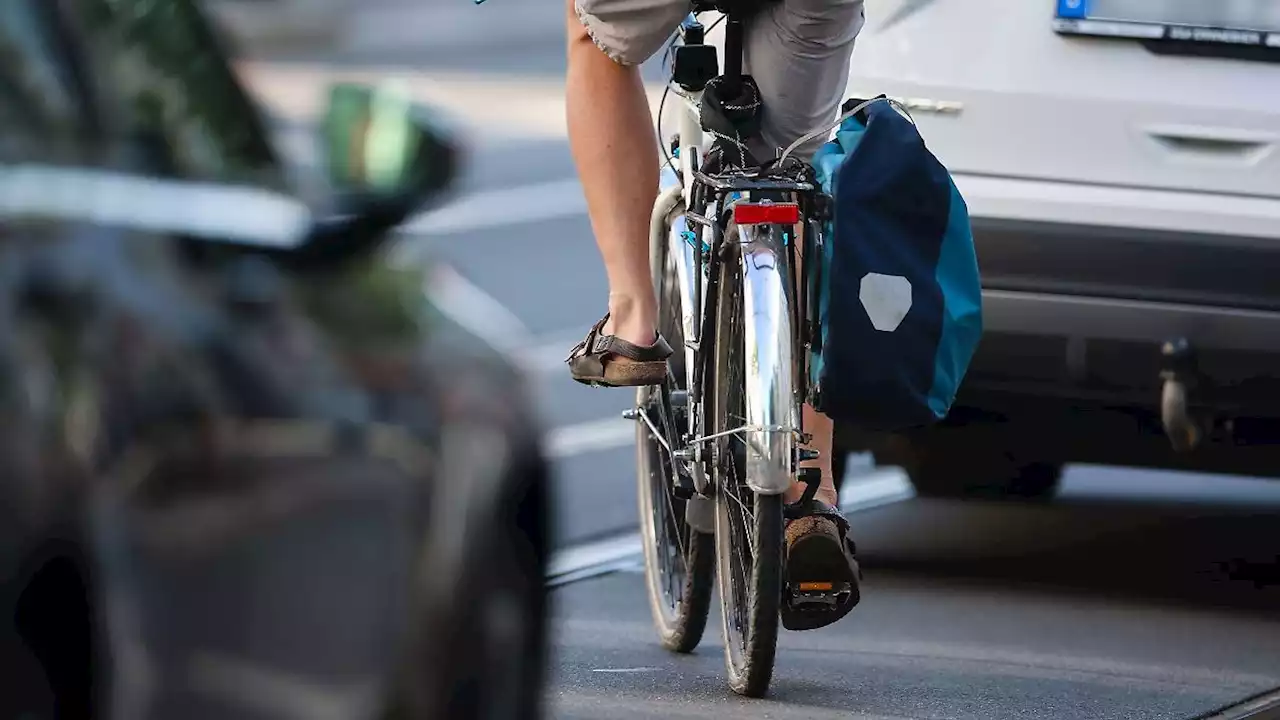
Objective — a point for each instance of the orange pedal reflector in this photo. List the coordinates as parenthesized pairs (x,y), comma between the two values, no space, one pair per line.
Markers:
(812,586)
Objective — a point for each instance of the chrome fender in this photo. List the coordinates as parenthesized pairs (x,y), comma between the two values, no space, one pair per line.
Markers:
(772,411)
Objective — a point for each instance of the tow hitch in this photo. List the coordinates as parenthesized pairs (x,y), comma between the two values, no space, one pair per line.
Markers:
(1180,375)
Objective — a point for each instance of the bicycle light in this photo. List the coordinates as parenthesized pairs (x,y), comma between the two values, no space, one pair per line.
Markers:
(766,213)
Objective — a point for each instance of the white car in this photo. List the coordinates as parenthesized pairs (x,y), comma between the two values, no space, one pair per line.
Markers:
(1121,163)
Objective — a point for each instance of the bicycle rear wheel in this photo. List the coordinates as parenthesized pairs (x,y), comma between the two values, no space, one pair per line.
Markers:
(749,524)
(678,561)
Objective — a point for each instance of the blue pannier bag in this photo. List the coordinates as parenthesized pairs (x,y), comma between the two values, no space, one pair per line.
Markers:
(899,295)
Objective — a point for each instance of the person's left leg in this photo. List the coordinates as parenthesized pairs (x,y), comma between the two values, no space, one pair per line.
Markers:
(798,52)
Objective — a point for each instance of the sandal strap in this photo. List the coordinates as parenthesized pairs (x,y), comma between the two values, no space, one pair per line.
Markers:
(597,343)
(581,349)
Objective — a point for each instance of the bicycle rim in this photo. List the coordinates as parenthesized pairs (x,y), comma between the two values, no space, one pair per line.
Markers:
(748,525)
(678,561)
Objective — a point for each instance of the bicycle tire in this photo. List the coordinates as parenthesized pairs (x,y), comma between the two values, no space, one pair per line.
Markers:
(749,600)
(679,592)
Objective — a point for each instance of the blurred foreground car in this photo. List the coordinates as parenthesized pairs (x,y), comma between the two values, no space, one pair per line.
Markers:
(1121,162)
(246,469)
(281,24)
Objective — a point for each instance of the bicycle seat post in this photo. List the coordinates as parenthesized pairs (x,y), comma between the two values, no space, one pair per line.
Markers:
(733,50)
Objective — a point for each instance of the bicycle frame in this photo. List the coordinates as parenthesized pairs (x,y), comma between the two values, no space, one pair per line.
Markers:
(767,255)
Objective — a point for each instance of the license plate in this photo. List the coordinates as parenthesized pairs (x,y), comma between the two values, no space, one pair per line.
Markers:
(1238,23)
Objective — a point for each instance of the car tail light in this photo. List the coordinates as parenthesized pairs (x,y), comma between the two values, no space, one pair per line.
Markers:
(766,213)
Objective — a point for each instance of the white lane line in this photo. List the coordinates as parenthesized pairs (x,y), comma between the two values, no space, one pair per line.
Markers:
(476,310)
(488,209)
(593,436)
(877,488)
(874,489)
(593,559)
(549,351)
(478,104)
(625,670)
(1256,707)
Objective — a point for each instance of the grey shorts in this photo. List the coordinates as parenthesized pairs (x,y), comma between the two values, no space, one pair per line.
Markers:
(798,51)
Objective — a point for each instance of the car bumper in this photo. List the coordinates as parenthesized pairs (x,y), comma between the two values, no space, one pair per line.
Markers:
(1068,203)
(1109,319)
(1083,285)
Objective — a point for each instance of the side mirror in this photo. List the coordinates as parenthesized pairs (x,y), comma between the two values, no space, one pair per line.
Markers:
(381,146)
(385,158)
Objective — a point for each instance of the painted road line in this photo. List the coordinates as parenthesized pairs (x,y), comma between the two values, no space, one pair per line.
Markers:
(488,209)
(623,552)
(1259,707)
(479,104)
(468,305)
(592,436)
(593,559)
(873,489)
(548,352)
(476,310)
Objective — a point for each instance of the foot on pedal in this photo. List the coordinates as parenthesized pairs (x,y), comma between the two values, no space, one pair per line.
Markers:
(822,573)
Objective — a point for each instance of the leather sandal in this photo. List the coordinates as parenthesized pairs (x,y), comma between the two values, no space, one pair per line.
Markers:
(609,361)
(822,572)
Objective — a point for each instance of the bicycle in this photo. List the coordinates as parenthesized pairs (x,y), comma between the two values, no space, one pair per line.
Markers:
(720,441)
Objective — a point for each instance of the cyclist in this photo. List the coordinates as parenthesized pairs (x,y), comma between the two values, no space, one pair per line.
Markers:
(798,52)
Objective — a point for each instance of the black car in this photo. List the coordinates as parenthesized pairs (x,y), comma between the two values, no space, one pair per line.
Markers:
(249,471)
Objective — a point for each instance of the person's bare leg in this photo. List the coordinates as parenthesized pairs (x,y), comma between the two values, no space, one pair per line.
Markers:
(614,148)
(822,430)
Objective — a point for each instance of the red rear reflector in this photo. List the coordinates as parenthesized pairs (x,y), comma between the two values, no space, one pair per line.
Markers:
(766,213)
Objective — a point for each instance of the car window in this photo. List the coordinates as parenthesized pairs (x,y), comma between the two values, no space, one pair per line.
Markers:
(39,113)
(105,103)
(155,96)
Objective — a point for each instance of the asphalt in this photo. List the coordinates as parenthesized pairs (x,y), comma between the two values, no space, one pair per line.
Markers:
(1158,602)
(1137,595)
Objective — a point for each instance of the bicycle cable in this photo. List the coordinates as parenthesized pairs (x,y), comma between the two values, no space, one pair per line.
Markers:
(662,103)
(844,116)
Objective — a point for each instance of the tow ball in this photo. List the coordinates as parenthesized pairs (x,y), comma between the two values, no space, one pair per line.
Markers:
(1180,375)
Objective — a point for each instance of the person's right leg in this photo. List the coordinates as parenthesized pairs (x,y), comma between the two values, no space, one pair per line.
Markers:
(616,153)
(612,140)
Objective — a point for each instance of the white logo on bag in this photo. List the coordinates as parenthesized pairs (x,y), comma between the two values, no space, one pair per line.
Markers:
(886,298)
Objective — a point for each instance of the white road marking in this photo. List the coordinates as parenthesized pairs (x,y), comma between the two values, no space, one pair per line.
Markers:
(481,103)
(489,209)
(625,670)
(594,558)
(593,436)
(432,26)
(548,352)
(866,491)
(476,310)
(879,487)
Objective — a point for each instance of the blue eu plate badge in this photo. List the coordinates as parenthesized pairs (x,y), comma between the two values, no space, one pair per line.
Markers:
(1074,9)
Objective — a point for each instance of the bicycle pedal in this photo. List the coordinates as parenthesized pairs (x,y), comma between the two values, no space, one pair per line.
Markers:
(817,593)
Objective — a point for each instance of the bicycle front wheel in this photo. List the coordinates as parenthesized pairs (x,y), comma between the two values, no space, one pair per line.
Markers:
(752,395)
